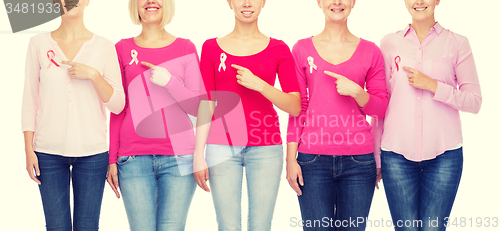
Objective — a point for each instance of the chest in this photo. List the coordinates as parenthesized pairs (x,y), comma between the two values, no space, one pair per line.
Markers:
(243,47)
(264,66)
(335,53)
(70,48)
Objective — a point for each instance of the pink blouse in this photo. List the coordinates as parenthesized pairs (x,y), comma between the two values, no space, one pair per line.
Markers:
(418,124)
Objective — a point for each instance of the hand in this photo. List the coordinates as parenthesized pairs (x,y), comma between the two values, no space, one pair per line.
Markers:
(32,164)
(379,177)
(113,178)
(200,173)
(81,71)
(418,80)
(345,86)
(247,79)
(294,174)
(159,75)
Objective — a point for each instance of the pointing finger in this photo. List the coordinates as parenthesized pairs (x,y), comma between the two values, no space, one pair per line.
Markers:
(409,69)
(334,75)
(238,67)
(148,65)
(69,63)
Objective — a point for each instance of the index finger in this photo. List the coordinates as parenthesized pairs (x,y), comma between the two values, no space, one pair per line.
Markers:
(334,75)
(238,67)
(409,69)
(148,65)
(69,63)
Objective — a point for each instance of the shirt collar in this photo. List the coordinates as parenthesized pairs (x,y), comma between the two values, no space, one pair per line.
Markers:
(436,28)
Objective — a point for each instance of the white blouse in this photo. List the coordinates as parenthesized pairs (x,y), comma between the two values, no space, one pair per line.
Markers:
(67,115)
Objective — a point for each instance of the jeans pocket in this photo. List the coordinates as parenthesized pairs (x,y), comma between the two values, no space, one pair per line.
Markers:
(304,159)
(185,164)
(363,159)
(124,159)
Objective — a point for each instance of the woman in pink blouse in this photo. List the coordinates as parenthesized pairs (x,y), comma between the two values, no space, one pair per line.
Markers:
(152,140)
(431,76)
(239,71)
(335,171)
(71,76)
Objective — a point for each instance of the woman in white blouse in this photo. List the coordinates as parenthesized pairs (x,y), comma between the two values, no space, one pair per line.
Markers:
(71,76)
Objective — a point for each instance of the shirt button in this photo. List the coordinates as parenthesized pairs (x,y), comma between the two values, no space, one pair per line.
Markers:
(419,48)
(418,98)
(418,133)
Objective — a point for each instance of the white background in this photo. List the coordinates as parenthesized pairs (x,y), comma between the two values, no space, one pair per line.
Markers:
(289,20)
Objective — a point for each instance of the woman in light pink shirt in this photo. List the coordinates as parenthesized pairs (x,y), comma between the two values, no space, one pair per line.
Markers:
(431,76)
(71,76)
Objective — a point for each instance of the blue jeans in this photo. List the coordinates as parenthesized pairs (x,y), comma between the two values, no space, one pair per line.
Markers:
(88,176)
(337,192)
(155,193)
(263,166)
(421,194)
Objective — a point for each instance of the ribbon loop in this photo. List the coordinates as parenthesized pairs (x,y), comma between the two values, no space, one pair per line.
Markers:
(51,55)
(310,61)
(223,58)
(397,60)
(134,54)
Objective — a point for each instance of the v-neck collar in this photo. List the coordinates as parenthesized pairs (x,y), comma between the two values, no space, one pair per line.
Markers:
(59,50)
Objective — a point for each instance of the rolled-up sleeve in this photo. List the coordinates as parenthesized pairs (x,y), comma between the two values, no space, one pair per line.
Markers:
(112,75)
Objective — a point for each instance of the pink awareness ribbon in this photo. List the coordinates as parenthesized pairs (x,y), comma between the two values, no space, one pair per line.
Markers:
(397,60)
(51,55)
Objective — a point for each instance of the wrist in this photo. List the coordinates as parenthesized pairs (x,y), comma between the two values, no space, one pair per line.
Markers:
(292,159)
(95,76)
(432,86)
(264,87)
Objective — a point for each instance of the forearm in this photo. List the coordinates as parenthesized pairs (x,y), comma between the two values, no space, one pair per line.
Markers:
(28,140)
(102,87)
(288,102)
(291,151)
(203,123)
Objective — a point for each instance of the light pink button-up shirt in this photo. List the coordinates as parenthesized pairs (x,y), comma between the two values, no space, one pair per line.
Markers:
(67,115)
(418,124)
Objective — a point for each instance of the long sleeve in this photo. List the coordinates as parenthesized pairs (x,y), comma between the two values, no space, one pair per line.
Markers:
(31,89)
(112,75)
(207,71)
(376,87)
(116,120)
(377,123)
(296,124)
(187,93)
(468,95)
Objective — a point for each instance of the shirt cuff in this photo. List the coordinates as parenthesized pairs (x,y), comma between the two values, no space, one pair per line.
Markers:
(443,91)
(173,83)
(371,106)
(116,103)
